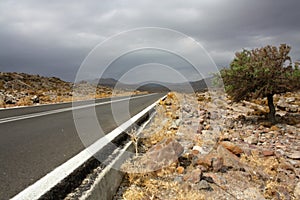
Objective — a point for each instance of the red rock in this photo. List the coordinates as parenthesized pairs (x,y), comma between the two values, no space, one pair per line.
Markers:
(267,153)
(163,154)
(232,147)
(230,159)
(206,160)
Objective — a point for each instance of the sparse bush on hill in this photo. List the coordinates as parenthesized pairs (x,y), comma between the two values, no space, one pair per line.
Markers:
(261,72)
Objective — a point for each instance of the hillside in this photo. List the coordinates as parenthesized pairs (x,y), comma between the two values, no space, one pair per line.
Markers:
(20,89)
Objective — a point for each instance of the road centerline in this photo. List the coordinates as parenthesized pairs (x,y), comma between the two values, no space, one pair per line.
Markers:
(28,116)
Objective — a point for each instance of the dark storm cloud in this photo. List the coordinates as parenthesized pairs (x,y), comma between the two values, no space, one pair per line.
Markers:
(53,37)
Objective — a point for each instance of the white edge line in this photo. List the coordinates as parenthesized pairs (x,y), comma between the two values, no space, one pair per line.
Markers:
(10,119)
(114,162)
(47,182)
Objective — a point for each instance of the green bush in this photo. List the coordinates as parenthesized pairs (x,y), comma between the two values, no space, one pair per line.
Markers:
(261,72)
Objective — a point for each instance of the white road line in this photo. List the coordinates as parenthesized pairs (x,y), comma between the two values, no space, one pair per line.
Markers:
(16,118)
(43,185)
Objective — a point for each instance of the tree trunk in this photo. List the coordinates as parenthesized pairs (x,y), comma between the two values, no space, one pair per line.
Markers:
(271,108)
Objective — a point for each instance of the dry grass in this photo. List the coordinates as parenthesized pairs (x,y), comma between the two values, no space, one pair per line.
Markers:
(25,101)
(270,166)
(146,184)
(161,189)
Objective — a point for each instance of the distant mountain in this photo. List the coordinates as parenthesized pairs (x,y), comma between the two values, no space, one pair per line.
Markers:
(197,86)
(108,82)
(153,87)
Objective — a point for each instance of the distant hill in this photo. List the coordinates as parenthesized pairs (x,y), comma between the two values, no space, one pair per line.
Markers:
(18,89)
(153,87)
(197,86)
(108,82)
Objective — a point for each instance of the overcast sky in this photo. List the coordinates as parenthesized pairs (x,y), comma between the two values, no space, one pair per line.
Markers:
(52,38)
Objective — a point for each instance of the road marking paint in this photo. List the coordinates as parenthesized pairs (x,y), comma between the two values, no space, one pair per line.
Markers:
(21,117)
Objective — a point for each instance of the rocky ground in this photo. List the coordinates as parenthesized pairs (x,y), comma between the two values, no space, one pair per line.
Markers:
(20,89)
(206,147)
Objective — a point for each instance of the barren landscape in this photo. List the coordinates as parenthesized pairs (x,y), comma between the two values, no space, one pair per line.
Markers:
(20,89)
(218,150)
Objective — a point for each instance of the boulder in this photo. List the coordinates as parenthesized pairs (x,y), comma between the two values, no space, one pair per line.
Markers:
(163,154)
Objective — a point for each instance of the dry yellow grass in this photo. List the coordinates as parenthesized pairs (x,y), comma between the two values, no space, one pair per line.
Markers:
(157,184)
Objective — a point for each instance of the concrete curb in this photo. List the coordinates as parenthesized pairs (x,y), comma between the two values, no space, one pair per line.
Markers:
(109,180)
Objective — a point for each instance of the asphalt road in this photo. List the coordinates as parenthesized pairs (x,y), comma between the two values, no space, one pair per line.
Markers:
(46,137)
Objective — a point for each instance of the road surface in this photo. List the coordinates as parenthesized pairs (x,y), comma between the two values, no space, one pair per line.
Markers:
(35,140)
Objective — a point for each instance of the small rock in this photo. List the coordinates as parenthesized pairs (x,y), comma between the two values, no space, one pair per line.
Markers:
(180,170)
(204,185)
(251,139)
(232,147)
(194,176)
(200,150)
(267,153)
(206,160)
(297,191)
(217,164)
(295,155)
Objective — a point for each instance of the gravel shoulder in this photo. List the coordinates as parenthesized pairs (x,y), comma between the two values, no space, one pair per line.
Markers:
(204,146)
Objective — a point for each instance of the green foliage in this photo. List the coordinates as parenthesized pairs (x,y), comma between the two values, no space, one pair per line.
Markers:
(261,72)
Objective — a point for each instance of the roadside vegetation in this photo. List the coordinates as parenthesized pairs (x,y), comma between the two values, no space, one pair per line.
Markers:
(245,145)
(262,72)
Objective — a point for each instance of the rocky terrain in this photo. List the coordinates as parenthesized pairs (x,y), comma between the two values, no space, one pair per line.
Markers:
(20,89)
(207,147)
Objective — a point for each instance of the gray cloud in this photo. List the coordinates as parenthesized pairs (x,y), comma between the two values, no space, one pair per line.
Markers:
(53,37)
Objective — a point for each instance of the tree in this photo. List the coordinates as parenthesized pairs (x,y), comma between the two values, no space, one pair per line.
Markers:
(261,72)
